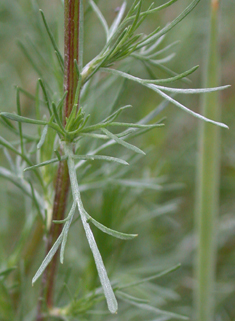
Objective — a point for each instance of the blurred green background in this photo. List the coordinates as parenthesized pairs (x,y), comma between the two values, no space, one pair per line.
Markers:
(163,219)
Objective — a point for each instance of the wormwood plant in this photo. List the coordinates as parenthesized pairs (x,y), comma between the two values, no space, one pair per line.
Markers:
(70,134)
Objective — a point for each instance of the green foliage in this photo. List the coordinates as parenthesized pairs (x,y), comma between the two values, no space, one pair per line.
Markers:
(45,138)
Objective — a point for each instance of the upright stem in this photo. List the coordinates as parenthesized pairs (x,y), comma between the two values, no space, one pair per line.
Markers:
(71,52)
(207,206)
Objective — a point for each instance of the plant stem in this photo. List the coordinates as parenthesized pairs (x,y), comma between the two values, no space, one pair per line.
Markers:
(207,200)
(71,52)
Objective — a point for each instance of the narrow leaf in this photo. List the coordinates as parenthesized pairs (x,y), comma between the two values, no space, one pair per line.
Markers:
(47,259)
(108,291)
(157,311)
(122,142)
(114,115)
(59,56)
(176,103)
(100,17)
(109,231)
(20,125)
(22,119)
(6,272)
(101,157)
(41,83)
(117,20)
(163,6)
(66,230)
(130,297)
(137,184)
(43,137)
(151,278)
(51,161)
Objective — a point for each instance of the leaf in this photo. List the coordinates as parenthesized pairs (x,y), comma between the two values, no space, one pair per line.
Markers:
(19,182)
(101,157)
(43,137)
(66,230)
(108,291)
(122,142)
(151,278)
(22,119)
(110,297)
(46,97)
(135,125)
(6,304)
(117,20)
(109,231)
(130,297)
(189,111)
(137,184)
(48,258)
(6,272)
(57,117)
(171,79)
(176,103)
(51,161)
(152,47)
(171,25)
(20,126)
(58,54)
(29,57)
(186,91)
(114,115)
(100,17)
(163,6)
(157,311)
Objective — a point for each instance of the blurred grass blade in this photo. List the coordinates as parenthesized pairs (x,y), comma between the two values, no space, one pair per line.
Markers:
(130,297)
(20,125)
(147,307)
(100,17)
(117,20)
(58,54)
(208,184)
(6,272)
(151,278)
(137,184)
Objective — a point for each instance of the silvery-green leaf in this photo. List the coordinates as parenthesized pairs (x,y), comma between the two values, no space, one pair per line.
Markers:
(122,142)
(48,258)
(43,137)
(66,230)
(109,231)
(108,291)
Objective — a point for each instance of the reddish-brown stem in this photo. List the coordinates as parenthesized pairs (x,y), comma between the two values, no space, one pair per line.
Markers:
(71,42)
(71,53)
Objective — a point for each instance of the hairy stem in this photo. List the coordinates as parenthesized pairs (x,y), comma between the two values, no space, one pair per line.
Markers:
(71,53)
(207,207)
